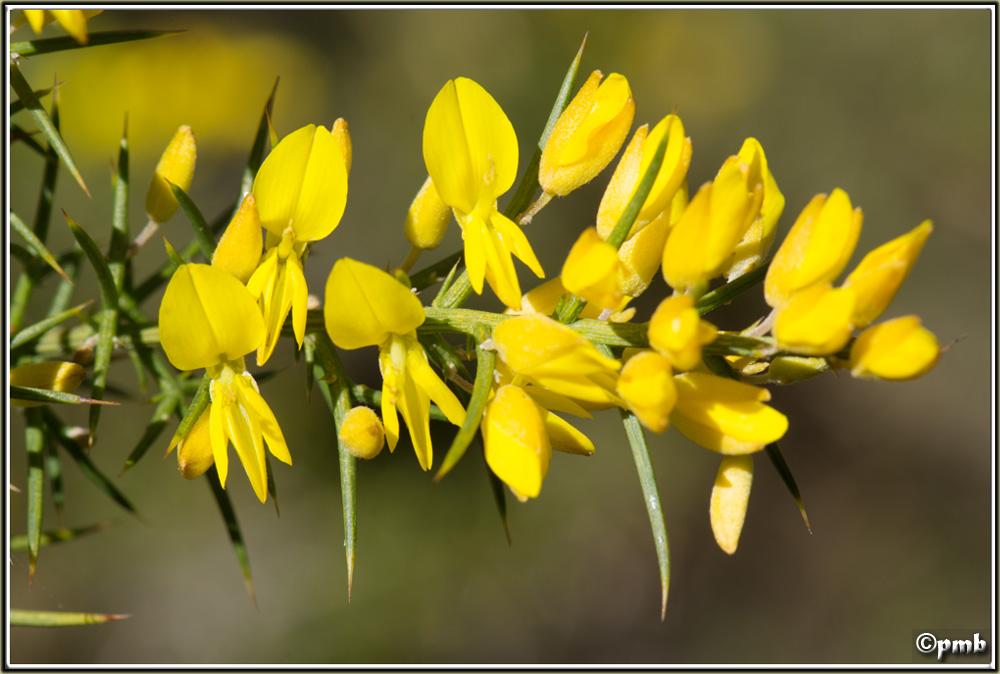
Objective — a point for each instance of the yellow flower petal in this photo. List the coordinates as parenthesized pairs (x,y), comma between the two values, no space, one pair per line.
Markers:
(239,250)
(516,445)
(676,331)
(591,270)
(563,436)
(757,241)
(427,219)
(194,451)
(647,385)
(177,166)
(730,496)
(896,350)
(816,321)
(364,305)
(207,316)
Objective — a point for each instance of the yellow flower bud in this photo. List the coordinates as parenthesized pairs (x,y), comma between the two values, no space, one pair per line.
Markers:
(702,242)
(877,278)
(238,251)
(516,445)
(816,321)
(342,136)
(428,218)
(757,241)
(676,331)
(634,162)
(194,452)
(897,350)
(587,135)
(647,385)
(730,496)
(177,166)
(53,376)
(362,433)
(73,21)
(591,270)
(791,369)
(725,415)
(816,249)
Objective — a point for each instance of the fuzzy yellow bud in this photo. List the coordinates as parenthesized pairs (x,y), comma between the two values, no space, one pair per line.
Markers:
(647,385)
(516,445)
(897,350)
(194,452)
(362,433)
(816,321)
(757,241)
(428,218)
(591,270)
(176,165)
(730,497)
(238,251)
(877,278)
(53,376)
(816,249)
(342,136)
(587,135)
(676,331)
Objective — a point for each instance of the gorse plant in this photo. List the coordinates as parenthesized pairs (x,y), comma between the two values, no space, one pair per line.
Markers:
(509,381)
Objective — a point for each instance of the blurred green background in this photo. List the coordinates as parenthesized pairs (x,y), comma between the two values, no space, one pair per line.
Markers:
(891,105)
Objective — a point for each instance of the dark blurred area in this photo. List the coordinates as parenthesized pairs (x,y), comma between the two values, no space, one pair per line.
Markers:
(893,106)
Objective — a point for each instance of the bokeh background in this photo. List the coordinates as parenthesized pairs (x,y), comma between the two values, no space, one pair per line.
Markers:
(891,105)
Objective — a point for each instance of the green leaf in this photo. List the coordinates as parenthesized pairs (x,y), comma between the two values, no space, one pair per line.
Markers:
(232,528)
(373,398)
(20,135)
(497,489)
(65,439)
(334,386)
(41,327)
(60,619)
(18,226)
(651,495)
(157,423)
(785,472)
(44,122)
(18,106)
(34,441)
(259,145)
(44,395)
(202,232)
(485,363)
(730,291)
(443,269)
(64,293)
(175,258)
(53,469)
(54,44)
(20,543)
(202,398)
(118,249)
(108,319)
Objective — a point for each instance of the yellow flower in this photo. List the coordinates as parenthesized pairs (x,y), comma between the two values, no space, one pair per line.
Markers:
(702,242)
(516,445)
(676,331)
(342,136)
(471,154)
(301,191)
(587,135)
(550,355)
(428,217)
(642,252)
(73,21)
(757,241)
(725,415)
(52,376)
(877,278)
(816,321)
(209,320)
(730,496)
(194,451)
(367,307)
(816,249)
(362,433)
(177,166)
(238,251)
(647,386)
(591,270)
(896,350)
(631,167)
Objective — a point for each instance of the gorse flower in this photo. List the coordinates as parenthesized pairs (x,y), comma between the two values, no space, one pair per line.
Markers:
(730,496)
(176,166)
(471,154)
(756,243)
(896,350)
(677,332)
(301,192)
(591,270)
(73,21)
(362,433)
(209,320)
(367,307)
(647,386)
(52,376)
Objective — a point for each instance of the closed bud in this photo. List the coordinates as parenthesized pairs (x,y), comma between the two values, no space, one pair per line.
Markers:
(816,321)
(647,386)
(786,370)
(194,451)
(757,241)
(428,218)
(591,270)
(897,350)
(587,135)
(52,376)
(676,331)
(816,249)
(516,445)
(730,497)
(362,433)
(238,251)
(342,136)
(176,166)
(878,277)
